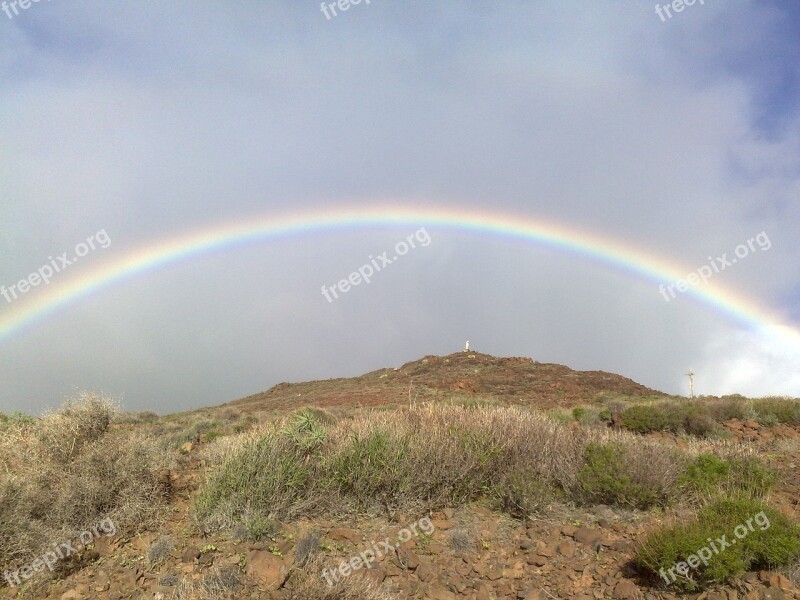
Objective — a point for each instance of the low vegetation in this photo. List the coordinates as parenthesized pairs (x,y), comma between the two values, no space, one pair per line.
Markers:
(760,537)
(428,456)
(709,476)
(66,471)
(701,417)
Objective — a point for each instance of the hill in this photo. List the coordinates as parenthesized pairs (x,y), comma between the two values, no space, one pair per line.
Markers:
(512,380)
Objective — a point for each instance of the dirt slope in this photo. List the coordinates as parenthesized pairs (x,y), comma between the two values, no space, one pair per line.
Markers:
(463,374)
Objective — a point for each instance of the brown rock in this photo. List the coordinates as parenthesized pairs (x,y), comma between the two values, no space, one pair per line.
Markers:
(345,535)
(425,571)
(438,592)
(589,537)
(267,569)
(626,590)
(483,593)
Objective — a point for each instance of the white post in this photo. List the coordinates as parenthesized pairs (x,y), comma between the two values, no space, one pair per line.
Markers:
(466,347)
(690,375)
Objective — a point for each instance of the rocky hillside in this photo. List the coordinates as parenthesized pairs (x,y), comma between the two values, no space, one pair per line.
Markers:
(509,380)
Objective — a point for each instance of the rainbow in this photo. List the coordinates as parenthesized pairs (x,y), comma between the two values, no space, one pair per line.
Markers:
(614,254)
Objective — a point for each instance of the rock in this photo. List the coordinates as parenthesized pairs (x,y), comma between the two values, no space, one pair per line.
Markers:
(589,537)
(568,530)
(190,554)
(267,569)
(441,524)
(776,580)
(425,572)
(345,535)
(438,592)
(772,594)
(626,590)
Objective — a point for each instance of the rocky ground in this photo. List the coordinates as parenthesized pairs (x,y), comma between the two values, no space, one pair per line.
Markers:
(472,553)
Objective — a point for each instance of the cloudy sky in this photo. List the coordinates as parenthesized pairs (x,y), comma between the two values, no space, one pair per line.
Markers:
(677,136)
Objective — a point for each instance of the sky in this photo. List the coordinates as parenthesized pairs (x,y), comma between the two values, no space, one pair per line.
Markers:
(128,128)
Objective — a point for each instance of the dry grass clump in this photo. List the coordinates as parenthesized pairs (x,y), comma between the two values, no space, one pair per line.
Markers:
(159,551)
(304,583)
(218,584)
(461,540)
(773,410)
(418,457)
(69,469)
(308,584)
(136,418)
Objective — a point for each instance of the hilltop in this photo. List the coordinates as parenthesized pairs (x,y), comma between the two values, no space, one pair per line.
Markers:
(512,380)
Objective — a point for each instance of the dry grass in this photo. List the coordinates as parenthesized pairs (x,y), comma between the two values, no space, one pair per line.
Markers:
(412,459)
(308,584)
(69,469)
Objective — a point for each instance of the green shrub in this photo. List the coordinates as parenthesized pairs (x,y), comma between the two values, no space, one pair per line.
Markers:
(761,538)
(777,410)
(604,479)
(265,476)
(708,474)
(306,430)
(605,415)
(372,466)
(16,418)
(644,418)
(578,413)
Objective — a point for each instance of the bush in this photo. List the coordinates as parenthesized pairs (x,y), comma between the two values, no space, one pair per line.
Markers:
(644,418)
(523,495)
(727,408)
(416,458)
(761,538)
(688,417)
(67,470)
(747,477)
(606,480)
(777,410)
(578,413)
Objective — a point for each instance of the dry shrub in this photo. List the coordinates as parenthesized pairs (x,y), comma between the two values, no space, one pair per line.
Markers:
(308,584)
(412,459)
(727,408)
(68,470)
(218,584)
